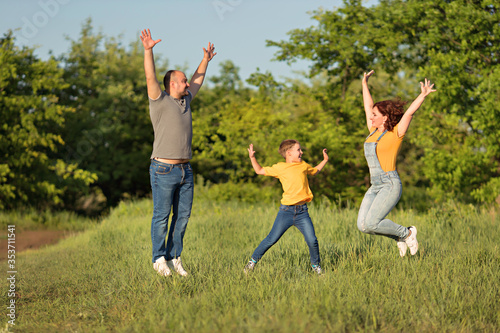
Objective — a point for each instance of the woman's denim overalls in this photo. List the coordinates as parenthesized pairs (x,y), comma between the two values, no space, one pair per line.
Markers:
(383,194)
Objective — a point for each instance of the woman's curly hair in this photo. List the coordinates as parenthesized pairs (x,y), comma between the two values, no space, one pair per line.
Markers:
(393,109)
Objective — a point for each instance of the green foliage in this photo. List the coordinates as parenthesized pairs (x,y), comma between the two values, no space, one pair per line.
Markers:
(451,285)
(33,119)
(76,130)
(110,133)
(225,128)
(337,44)
(243,191)
(455,44)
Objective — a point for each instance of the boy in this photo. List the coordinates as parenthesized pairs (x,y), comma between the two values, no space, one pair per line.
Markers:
(296,194)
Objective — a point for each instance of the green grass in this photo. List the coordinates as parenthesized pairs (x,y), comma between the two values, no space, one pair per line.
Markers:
(102,280)
(30,219)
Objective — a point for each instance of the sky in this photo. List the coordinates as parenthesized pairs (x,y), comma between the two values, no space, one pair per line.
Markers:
(238,28)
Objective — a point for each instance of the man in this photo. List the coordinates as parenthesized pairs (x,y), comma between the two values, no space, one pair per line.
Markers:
(170,172)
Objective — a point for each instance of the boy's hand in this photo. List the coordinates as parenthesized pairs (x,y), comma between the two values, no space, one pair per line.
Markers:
(251,152)
(322,164)
(256,166)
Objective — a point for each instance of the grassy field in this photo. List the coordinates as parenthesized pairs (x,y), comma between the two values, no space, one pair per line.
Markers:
(102,280)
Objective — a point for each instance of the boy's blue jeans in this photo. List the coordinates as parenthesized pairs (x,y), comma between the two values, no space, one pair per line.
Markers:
(172,187)
(298,216)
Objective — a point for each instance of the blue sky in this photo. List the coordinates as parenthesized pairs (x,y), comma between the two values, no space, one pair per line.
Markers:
(238,28)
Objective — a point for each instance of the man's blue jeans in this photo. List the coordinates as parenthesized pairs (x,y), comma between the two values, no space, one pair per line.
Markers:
(298,216)
(172,187)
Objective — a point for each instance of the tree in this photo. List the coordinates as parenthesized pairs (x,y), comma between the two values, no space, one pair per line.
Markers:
(455,44)
(339,44)
(30,135)
(110,132)
(458,44)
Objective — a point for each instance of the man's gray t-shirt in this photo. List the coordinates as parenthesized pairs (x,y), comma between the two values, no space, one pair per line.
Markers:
(172,125)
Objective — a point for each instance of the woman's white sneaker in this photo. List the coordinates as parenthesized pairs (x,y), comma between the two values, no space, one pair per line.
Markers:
(411,241)
(402,246)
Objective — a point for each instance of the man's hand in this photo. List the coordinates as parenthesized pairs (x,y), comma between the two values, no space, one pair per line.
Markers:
(147,41)
(209,52)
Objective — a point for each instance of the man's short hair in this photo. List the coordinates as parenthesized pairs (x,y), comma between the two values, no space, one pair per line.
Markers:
(286,145)
(166,80)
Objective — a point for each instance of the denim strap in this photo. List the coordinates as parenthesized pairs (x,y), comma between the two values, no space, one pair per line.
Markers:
(380,137)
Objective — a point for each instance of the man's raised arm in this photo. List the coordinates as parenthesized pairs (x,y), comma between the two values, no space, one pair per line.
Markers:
(154,89)
(199,75)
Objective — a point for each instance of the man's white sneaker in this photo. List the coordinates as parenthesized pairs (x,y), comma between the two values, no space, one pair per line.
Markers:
(161,267)
(176,266)
(411,241)
(402,246)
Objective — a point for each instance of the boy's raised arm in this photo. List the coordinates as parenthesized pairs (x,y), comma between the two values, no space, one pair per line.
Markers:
(256,166)
(322,163)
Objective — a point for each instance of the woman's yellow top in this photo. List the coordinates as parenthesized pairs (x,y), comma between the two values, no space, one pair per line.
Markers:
(387,148)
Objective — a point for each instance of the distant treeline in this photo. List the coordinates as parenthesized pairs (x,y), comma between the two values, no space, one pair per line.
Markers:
(75,131)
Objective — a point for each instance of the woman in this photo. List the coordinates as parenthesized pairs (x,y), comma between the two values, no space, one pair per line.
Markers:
(387,123)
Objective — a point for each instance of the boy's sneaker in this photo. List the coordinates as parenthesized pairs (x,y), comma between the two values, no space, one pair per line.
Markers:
(402,246)
(250,266)
(411,241)
(176,266)
(161,267)
(317,269)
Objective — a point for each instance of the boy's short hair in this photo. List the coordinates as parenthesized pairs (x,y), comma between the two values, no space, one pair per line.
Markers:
(286,145)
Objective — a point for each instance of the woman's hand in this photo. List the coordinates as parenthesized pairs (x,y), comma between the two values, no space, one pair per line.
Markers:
(426,88)
(366,76)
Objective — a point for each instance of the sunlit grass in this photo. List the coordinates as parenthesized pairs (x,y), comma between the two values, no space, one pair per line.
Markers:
(102,279)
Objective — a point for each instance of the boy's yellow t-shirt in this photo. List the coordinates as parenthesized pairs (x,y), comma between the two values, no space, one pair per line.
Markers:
(387,148)
(293,178)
